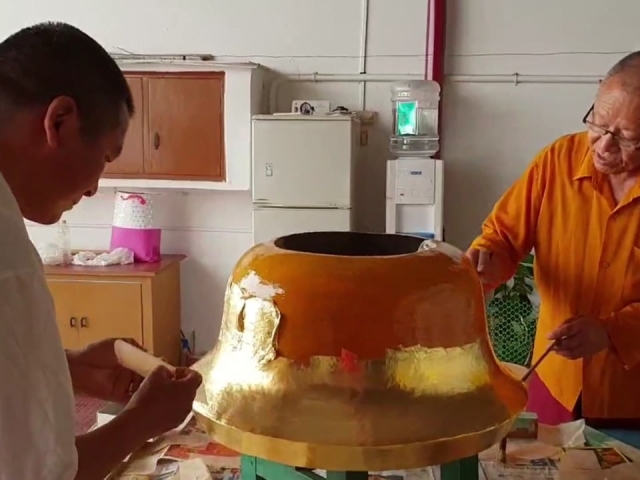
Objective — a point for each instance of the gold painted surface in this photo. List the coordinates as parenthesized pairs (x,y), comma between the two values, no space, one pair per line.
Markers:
(408,401)
(260,322)
(438,371)
(339,457)
(330,373)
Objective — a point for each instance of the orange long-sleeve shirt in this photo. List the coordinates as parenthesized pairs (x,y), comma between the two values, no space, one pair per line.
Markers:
(587,262)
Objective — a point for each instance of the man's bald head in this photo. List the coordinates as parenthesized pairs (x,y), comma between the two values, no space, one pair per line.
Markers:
(626,72)
(614,120)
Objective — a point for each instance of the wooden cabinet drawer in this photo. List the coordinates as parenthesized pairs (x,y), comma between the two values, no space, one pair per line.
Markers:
(63,294)
(139,301)
(89,311)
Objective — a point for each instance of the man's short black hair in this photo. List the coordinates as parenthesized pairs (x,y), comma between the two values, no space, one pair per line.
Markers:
(48,60)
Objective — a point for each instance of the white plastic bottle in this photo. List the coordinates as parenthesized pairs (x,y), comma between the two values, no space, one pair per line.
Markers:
(64,242)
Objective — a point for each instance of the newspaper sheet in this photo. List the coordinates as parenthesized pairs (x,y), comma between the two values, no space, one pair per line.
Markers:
(597,463)
(533,459)
(557,454)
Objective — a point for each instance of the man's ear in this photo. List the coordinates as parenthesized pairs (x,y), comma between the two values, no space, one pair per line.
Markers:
(61,120)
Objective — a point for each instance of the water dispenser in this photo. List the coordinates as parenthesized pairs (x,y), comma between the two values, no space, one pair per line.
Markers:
(415,197)
(414,203)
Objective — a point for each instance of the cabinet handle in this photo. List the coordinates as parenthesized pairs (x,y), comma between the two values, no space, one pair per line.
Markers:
(72,322)
(83,322)
(156,140)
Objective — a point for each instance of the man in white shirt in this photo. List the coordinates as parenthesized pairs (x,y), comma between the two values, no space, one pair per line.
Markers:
(64,112)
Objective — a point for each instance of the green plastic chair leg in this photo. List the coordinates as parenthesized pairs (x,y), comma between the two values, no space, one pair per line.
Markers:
(465,469)
(347,476)
(248,468)
(253,468)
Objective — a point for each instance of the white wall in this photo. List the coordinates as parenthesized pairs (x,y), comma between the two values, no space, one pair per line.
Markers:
(492,130)
(290,36)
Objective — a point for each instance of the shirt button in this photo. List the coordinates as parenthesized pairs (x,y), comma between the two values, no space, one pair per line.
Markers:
(605,264)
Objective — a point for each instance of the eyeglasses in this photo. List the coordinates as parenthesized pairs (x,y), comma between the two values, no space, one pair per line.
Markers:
(622,142)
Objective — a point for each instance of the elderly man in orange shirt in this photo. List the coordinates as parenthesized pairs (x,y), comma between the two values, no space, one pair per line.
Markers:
(578,207)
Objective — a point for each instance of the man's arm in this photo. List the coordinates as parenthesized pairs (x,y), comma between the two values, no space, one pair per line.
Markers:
(509,230)
(79,373)
(102,450)
(75,375)
(37,439)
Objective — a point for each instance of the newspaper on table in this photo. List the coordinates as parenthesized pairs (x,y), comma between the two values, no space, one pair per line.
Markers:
(597,463)
(183,455)
(533,459)
(558,454)
(188,454)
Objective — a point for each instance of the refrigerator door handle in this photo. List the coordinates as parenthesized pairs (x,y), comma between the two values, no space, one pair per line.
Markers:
(269,206)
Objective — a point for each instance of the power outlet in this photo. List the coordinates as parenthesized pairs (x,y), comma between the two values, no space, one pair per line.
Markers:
(364,138)
(311,107)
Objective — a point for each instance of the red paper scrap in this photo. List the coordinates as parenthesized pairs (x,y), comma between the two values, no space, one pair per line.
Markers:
(349,361)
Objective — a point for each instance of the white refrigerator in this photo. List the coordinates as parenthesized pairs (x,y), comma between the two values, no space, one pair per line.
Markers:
(303,169)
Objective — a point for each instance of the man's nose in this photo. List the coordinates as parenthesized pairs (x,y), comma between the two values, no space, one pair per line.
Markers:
(92,192)
(608,143)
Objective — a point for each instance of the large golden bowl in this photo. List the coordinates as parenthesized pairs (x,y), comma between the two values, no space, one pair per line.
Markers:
(354,351)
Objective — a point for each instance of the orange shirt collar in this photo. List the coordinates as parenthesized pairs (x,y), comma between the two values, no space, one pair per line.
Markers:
(586,168)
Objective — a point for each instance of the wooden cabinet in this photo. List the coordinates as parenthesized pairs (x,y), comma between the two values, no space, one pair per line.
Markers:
(140,301)
(177,132)
(129,163)
(185,127)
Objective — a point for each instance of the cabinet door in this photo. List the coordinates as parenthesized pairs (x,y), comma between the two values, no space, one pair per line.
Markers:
(64,293)
(107,309)
(185,116)
(130,162)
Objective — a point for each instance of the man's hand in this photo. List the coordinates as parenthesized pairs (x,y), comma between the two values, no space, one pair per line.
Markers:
(95,371)
(580,337)
(164,399)
(162,403)
(488,265)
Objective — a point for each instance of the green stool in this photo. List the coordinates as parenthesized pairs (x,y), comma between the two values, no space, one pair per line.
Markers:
(254,468)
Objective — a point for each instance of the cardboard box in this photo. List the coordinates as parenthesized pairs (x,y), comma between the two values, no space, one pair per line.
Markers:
(107,413)
(525,426)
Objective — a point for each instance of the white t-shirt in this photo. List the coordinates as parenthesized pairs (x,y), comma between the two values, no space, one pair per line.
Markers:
(37,439)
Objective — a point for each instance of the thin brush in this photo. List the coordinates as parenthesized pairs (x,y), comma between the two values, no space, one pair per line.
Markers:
(525,377)
(533,367)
